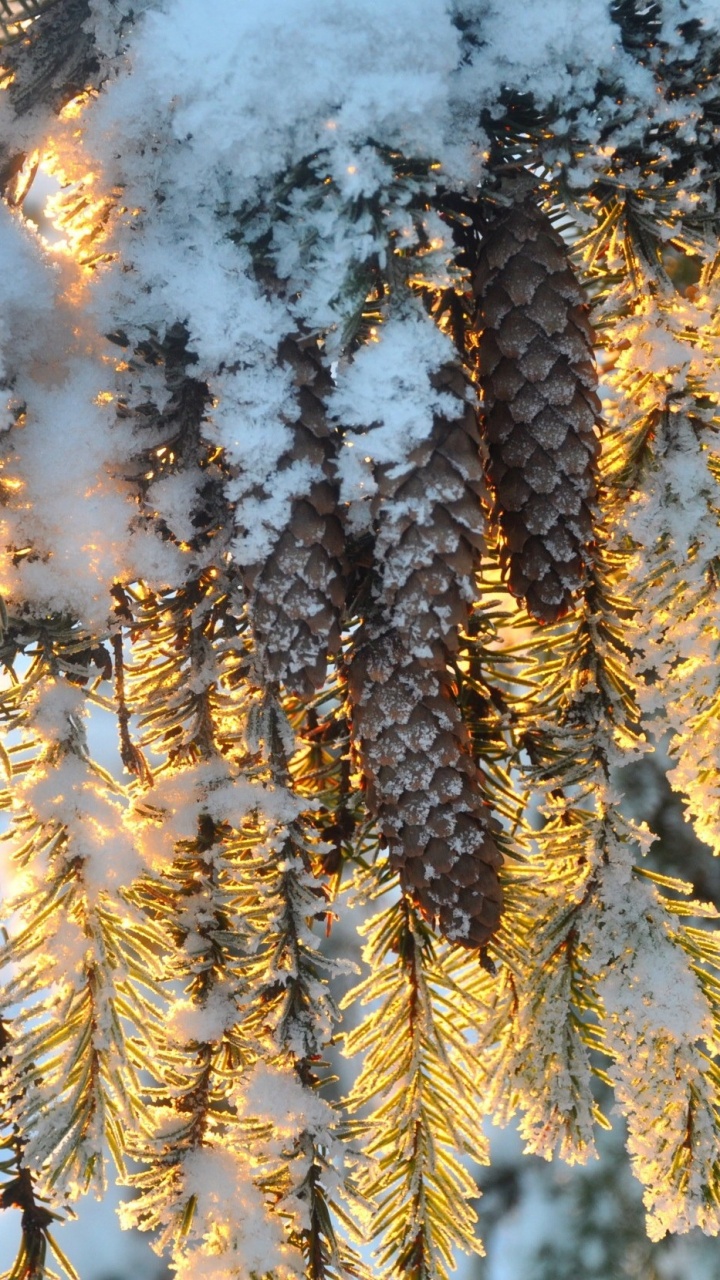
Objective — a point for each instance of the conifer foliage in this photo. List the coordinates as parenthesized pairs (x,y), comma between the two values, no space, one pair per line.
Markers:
(359,465)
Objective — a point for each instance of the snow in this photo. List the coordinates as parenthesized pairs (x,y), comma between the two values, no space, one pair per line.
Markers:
(285,78)
(645,984)
(230,1222)
(190,1023)
(387,392)
(278,1098)
(557,51)
(26,289)
(263,170)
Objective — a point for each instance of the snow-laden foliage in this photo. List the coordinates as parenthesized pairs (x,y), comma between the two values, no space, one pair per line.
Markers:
(252,508)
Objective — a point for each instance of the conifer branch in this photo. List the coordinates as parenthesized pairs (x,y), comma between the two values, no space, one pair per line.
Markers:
(417,1070)
(254,359)
(72,1040)
(288,975)
(53,62)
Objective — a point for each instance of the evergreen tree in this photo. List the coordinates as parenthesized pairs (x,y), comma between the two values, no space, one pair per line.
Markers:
(359,457)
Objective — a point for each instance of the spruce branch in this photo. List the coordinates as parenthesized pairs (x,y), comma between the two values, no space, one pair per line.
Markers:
(16,15)
(415,1087)
(54,61)
(288,975)
(131,755)
(30,1261)
(293,470)
(605,919)
(79,1037)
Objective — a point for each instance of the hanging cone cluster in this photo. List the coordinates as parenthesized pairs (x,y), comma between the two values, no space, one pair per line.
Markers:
(538,382)
(297,593)
(430,527)
(424,787)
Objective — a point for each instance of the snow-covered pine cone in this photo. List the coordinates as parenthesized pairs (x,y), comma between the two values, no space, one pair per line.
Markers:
(424,787)
(430,526)
(296,595)
(538,382)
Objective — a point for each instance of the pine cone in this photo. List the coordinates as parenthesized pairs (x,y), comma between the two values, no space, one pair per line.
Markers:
(430,525)
(297,594)
(423,786)
(538,381)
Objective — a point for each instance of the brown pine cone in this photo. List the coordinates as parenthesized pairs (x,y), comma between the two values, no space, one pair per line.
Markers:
(538,381)
(430,526)
(424,787)
(297,594)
